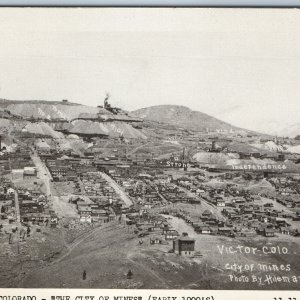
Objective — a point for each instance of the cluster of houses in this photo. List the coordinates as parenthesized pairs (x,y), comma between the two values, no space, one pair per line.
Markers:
(145,182)
(101,204)
(172,193)
(145,193)
(206,223)
(26,205)
(34,208)
(91,212)
(7,200)
(150,189)
(61,170)
(17,163)
(245,218)
(161,233)
(262,219)
(287,190)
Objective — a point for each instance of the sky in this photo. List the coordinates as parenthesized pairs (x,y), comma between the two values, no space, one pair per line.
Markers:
(239,65)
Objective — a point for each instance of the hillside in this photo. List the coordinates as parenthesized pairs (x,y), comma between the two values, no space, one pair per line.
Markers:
(42,128)
(50,111)
(67,117)
(113,129)
(271,146)
(184,117)
(50,118)
(5,102)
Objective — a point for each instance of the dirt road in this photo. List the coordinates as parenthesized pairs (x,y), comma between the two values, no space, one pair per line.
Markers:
(43,172)
(118,189)
(17,208)
(180,225)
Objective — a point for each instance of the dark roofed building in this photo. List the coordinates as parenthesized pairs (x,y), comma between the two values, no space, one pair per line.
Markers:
(184,246)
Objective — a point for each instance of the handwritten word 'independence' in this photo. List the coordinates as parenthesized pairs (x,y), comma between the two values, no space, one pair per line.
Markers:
(259,167)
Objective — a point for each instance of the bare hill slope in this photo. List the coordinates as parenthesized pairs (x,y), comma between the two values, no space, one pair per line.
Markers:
(50,110)
(184,117)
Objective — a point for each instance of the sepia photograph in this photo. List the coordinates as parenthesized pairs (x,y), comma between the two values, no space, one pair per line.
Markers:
(150,148)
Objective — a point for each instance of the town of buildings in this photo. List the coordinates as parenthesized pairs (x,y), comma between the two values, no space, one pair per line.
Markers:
(45,188)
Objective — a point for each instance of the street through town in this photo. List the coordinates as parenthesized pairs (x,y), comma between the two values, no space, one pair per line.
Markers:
(118,189)
(43,172)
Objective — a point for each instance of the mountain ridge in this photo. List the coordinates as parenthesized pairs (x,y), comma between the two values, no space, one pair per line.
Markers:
(179,116)
(185,117)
